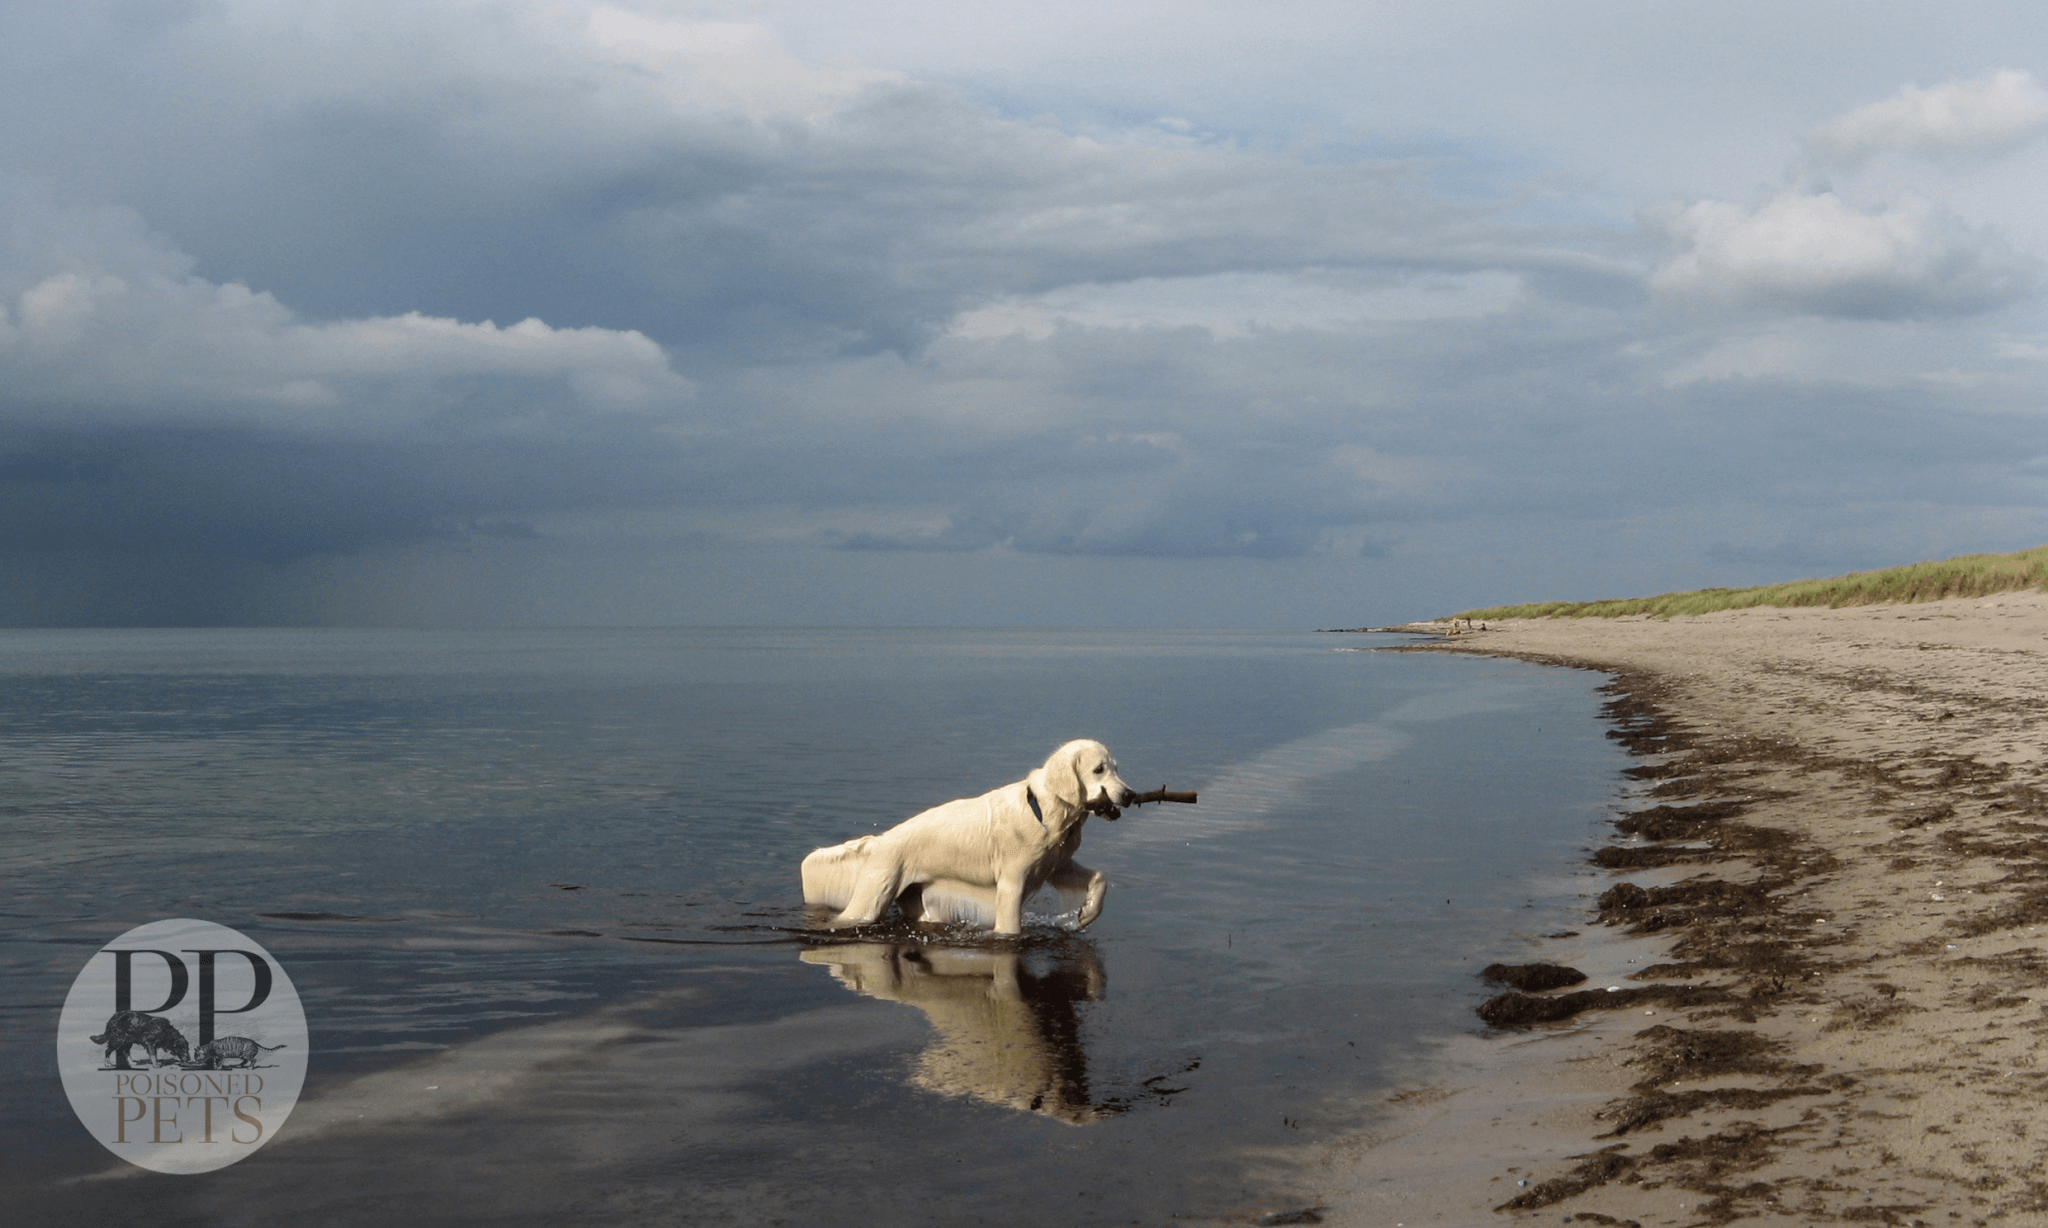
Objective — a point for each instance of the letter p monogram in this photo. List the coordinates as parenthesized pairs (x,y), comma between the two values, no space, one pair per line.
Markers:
(207,1009)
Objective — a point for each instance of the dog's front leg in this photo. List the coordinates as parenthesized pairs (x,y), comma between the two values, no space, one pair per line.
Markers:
(1075,879)
(1010,904)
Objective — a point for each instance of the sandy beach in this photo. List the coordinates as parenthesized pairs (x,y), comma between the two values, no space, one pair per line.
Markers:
(1818,977)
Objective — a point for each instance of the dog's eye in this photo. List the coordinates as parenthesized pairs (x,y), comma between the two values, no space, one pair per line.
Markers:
(1098,769)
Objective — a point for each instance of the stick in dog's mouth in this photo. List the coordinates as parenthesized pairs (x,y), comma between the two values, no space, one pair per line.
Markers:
(1108,810)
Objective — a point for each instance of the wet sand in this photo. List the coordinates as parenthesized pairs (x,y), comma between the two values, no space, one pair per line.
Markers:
(1834,889)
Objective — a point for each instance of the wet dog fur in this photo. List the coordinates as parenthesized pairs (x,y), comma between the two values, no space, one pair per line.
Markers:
(977,859)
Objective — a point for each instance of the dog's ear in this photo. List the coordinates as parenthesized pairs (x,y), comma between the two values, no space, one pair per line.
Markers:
(1062,775)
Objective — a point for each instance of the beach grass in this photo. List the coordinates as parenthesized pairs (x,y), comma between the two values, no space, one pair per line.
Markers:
(1968,575)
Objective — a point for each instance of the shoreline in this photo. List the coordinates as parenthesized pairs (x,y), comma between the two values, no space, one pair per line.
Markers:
(1838,903)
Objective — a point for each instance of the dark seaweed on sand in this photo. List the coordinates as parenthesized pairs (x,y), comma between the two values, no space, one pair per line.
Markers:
(1532,978)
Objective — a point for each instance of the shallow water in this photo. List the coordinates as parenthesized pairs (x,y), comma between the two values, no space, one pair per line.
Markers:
(551,875)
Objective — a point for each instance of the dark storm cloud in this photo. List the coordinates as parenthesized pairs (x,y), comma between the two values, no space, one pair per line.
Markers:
(288,283)
(751,241)
(1175,444)
(246,495)
(783,213)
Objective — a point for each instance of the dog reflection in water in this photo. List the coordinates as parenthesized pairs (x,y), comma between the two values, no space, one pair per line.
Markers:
(1007,1028)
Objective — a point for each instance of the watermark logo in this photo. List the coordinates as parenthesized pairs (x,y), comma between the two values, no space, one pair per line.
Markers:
(182,1046)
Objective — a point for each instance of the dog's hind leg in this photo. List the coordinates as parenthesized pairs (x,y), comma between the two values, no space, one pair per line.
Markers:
(830,873)
(872,893)
(948,901)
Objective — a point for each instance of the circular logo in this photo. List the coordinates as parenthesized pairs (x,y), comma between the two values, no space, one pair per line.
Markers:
(182,1046)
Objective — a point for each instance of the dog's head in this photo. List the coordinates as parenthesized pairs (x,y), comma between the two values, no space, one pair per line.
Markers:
(1083,775)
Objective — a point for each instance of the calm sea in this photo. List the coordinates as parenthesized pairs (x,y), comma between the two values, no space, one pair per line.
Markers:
(538,892)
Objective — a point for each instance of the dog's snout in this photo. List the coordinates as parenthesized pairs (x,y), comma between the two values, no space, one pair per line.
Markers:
(1125,796)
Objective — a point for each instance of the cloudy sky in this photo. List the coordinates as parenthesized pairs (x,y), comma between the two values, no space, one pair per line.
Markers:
(1285,313)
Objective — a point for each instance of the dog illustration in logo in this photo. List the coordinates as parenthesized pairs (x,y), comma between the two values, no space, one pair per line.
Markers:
(152,1032)
(215,1054)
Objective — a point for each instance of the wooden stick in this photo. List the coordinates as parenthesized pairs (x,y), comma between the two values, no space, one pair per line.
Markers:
(1107,810)
(1186,797)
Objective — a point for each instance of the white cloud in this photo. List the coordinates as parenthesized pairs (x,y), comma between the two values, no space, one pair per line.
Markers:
(1814,254)
(1238,304)
(1981,118)
(108,321)
(701,65)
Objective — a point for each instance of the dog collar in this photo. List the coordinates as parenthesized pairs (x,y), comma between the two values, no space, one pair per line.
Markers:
(1036,813)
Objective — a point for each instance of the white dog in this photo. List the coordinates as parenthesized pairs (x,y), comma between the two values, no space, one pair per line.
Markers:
(977,859)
